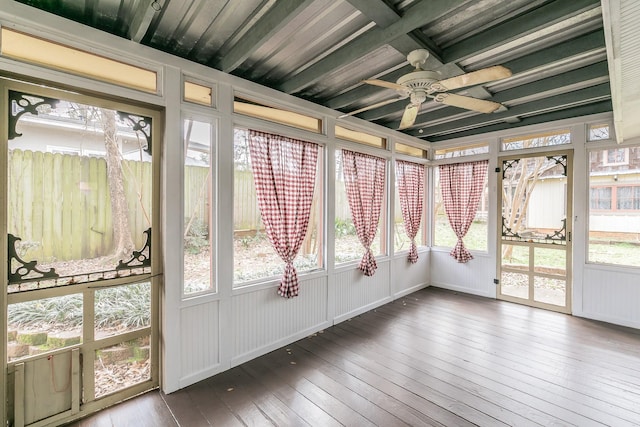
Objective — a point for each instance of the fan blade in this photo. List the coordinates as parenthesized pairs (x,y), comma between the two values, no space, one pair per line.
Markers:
(409,116)
(467,102)
(484,75)
(370,107)
(382,83)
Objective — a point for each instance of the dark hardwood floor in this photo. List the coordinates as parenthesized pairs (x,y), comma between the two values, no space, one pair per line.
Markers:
(435,358)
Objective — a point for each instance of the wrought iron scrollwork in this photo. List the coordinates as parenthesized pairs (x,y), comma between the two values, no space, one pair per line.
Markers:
(508,164)
(560,160)
(508,232)
(26,271)
(29,104)
(139,124)
(141,258)
(558,235)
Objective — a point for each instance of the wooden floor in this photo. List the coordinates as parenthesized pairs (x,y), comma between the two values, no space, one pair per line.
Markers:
(433,358)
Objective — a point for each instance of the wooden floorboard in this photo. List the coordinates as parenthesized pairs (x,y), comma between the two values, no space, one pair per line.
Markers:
(433,358)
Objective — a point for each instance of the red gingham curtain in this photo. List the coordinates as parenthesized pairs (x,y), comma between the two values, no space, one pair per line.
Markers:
(364,183)
(462,185)
(284,172)
(410,179)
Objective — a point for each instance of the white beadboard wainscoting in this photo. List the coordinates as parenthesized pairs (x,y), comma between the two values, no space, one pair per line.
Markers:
(199,341)
(474,277)
(261,321)
(611,294)
(356,293)
(406,277)
(264,321)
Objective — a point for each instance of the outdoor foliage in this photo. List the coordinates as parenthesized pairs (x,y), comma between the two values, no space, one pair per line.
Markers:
(121,307)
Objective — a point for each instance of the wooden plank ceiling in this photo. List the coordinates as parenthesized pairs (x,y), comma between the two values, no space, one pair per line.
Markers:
(322,50)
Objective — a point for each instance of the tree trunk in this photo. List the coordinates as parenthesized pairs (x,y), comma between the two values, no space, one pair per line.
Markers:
(123,242)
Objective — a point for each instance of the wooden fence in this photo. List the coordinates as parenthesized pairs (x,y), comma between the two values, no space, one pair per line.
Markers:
(59,204)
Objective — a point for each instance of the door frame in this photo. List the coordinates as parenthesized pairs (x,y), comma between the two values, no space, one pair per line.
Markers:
(154,277)
(568,152)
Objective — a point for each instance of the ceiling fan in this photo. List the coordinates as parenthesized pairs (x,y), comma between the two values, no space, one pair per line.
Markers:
(421,84)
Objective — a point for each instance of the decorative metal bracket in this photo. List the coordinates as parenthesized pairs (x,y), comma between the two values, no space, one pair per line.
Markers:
(508,164)
(139,124)
(25,268)
(28,104)
(141,258)
(559,235)
(560,160)
(508,232)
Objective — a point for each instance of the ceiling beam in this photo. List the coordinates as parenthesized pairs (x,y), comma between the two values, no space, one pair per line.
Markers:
(417,16)
(585,43)
(583,110)
(384,15)
(141,20)
(278,16)
(529,22)
(591,94)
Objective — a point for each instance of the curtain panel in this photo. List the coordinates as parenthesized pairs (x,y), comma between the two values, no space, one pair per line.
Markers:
(284,171)
(410,182)
(364,177)
(461,185)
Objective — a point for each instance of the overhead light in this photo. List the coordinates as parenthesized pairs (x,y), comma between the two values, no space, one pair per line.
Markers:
(155,5)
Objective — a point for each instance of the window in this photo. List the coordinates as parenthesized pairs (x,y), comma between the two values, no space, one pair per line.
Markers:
(465,150)
(543,139)
(614,206)
(628,198)
(443,235)
(49,54)
(197,93)
(600,198)
(347,245)
(410,150)
(360,137)
(198,207)
(254,257)
(276,115)
(401,241)
(599,132)
(615,157)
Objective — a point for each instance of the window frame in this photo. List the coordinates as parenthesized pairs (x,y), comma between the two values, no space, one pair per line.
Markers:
(193,114)
(248,122)
(601,147)
(385,214)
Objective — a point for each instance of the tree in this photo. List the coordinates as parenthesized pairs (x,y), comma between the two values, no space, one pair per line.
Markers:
(520,177)
(123,242)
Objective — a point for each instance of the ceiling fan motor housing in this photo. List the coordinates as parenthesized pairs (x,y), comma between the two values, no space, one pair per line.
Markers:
(419,82)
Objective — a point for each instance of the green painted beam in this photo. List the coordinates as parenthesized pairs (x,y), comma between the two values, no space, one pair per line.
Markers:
(583,110)
(278,16)
(590,94)
(575,46)
(417,16)
(585,43)
(529,22)
(384,15)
